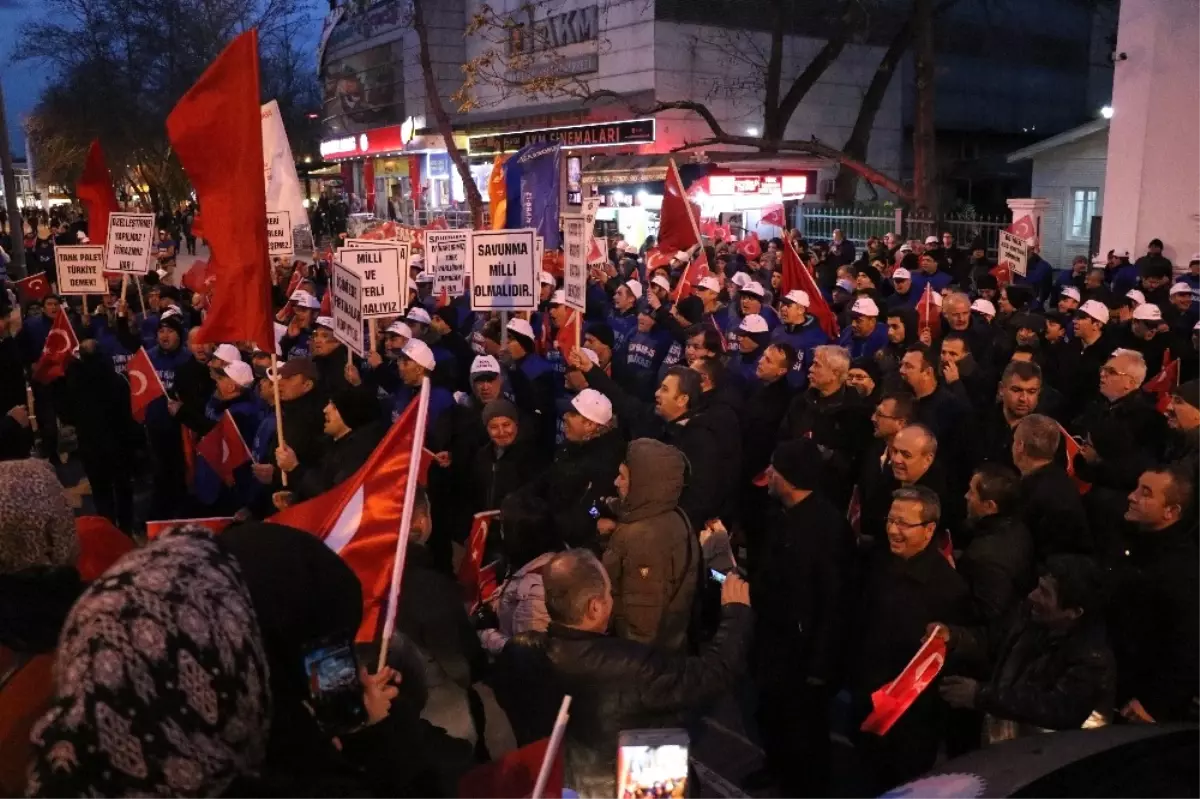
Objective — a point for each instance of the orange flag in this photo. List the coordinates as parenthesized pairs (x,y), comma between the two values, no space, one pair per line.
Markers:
(498,194)
(216,130)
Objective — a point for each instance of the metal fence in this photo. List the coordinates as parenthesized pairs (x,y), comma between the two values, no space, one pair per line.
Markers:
(456,219)
(859,223)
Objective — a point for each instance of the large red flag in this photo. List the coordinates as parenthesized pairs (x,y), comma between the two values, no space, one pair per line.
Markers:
(892,700)
(929,312)
(514,775)
(695,271)
(774,216)
(144,383)
(1166,381)
(797,276)
(750,246)
(360,518)
(34,287)
(217,132)
(224,449)
(95,191)
(677,226)
(60,347)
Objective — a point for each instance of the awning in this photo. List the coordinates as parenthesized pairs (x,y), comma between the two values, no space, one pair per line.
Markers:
(629,170)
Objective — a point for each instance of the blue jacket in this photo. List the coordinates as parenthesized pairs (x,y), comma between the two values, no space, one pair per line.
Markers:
(297,346)
(109,344)
(1124,278)
(644,354)
(165,363)
(440,401)
(623,326)
(744,366)
(939,281)
(804,338)
(733,318)
(864,347)
(148,329)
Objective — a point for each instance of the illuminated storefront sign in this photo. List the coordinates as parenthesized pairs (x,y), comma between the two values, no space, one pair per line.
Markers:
(775,185)
(573,137)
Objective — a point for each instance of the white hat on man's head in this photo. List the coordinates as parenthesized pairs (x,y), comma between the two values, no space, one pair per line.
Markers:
(593,406)
(227,353)
(521,327)
(1096,310)
(417,350)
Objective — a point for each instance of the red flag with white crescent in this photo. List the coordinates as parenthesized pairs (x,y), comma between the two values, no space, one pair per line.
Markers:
(360,518)
(774,216)
(678,228)
(471,568)
(60,347)
(34,287)
(892,700)
(929,312)
(750,246)
(224,449)
(144,383)
(1166,381)
(1073,449)
(695,271)
(796,276)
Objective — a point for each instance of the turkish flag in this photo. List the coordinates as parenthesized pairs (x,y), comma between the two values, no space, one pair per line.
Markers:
(595,251)
(95,191)
(101,545)
(144,383)
(1164,382)
(214,523)
(1024,228)
(1002,273)
(514,775)
(695,271)
(223,449)
(750,247)
(570,335)
(360,518)
(34,287)
(196,277)
(1073,449)
(774,216)
(929,312)
(892,700)
(60,347)
(677,228)
(796,276)
(469,571)
(656,258)
(216,131)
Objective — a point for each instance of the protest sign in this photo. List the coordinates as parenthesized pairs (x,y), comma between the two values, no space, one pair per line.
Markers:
(80,269)
(575,244)
(279,233)
(1014,252)
(129,248)
(446,258)
(503,274)
(383,270)
(347,308)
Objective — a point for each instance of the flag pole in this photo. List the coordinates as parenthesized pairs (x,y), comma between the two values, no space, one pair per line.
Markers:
(560,729)
(273,374)
(687,204)
(410,496)
(124,285)
(141,299)
(33,425)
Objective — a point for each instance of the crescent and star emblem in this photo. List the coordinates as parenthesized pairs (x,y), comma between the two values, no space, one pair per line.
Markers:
(138,380)
(66,342)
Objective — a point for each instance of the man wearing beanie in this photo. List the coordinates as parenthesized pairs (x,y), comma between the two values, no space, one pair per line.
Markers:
(1183,418)
(354,422)
(801,586)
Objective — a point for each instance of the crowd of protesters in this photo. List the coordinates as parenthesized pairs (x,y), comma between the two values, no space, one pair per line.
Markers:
(993,469)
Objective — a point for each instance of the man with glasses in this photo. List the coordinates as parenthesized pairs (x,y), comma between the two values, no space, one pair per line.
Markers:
(908,586)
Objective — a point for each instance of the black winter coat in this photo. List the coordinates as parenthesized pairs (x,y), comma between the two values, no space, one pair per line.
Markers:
(1054,514)
(304,429)
(343,458)
(581,475)
(765,408)
(494,477)
(841,425)
(1129,436)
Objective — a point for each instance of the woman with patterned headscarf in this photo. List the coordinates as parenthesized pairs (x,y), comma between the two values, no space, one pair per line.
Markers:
(161,679)
(38,552)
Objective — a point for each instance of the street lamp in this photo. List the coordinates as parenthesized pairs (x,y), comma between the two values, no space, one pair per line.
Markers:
(1107,112)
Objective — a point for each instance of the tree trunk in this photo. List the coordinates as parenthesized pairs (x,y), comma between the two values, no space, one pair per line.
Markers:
(846,186)
(433,102)
(924,139)
(771,131)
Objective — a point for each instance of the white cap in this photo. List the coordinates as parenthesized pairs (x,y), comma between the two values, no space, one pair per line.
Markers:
(740,279)
(630,248)
(905,247)
(484,364)
(1195,258)
(635,288)
(593,406)
(682,256)
(416,314)
(546,279)
(419,351)
(304,299)
(711,283)
(755,288)
(167,314)
(559,297)
(521,327)
(984,307)
(1096,310)
(1072,292)
(1136,296)
(797,296)
(1120,253)
(901,274)
(398,328)
(1180,288)
(239,372)
(81,237)
(591,355)
(865,306)
(227,353)
(425,277)
(661,282)
(1147,312)
(326,322)
(931,239)
(753,323)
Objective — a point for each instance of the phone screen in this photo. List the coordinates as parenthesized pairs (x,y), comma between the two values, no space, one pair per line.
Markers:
(332,672)
(716,575)
(652,764)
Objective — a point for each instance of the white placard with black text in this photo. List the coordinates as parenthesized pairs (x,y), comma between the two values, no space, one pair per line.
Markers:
(503,274)
(446,254)
(130,244)
(383,270)
(575,249)
(80,269)
(279,234)
(347,308)
(1015,252)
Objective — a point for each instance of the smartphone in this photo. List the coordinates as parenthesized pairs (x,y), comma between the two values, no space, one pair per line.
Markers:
(716,575)
(332,671)
(652,764)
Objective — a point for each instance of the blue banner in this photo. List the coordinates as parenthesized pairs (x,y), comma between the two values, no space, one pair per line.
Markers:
(532,177)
